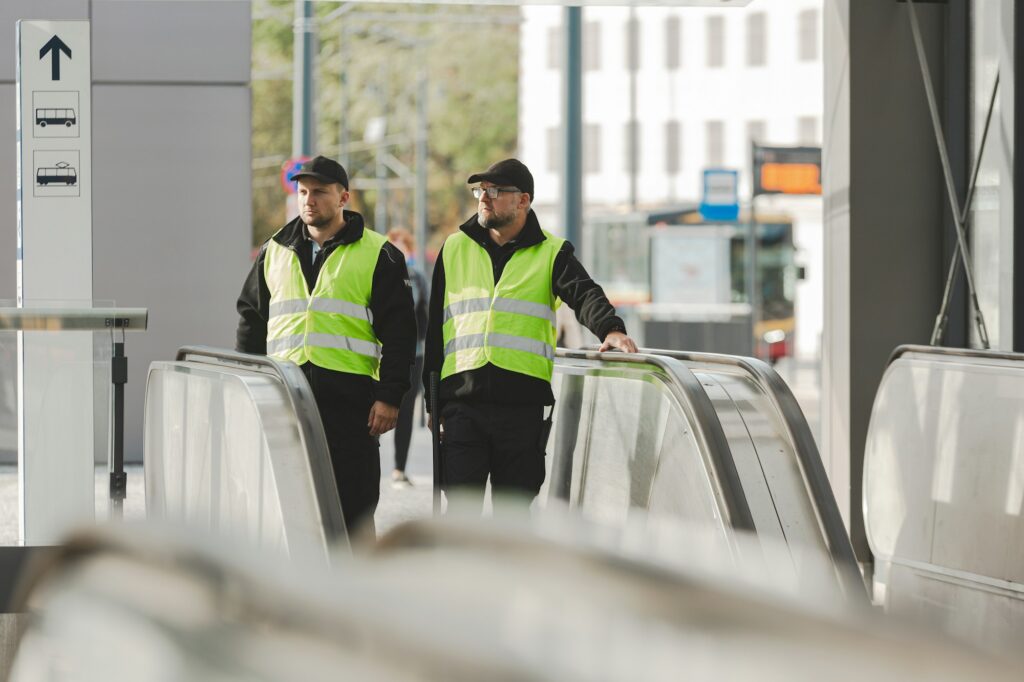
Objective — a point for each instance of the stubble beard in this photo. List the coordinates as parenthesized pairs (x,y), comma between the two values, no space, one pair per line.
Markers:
(496,221)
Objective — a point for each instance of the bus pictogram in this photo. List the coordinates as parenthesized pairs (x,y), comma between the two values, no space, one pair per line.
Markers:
(65,117)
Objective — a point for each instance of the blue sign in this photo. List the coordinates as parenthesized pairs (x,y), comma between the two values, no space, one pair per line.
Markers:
(287,169)
(721,198)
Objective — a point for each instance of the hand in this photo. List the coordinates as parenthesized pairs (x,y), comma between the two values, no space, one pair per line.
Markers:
(382,418)
(618,341)
(430,425)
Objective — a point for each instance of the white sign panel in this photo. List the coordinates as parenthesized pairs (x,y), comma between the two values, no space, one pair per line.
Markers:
(54,161)
(689,268)
(56,433)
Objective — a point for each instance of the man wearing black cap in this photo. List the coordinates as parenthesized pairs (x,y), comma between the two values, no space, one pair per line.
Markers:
(333,297)
(491,334)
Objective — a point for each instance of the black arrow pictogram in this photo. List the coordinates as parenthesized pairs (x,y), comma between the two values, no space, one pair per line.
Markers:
(55,46)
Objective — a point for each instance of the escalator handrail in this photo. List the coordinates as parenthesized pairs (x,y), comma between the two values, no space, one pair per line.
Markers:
(799,432)
(685,387)
(311,428)
(954,352)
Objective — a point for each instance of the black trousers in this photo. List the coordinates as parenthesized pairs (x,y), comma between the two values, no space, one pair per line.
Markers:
(403,429)
(355,457)
(500,441)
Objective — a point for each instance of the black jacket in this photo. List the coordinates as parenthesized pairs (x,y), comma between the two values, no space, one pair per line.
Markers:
(390,303)
(491,384)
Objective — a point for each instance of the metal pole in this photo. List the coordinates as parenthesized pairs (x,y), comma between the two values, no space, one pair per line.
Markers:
(118,478)
(947,173)
(303,119)
(343,157)
(380,212)
(752,296)
(634,136)
(422,90)
(572,115)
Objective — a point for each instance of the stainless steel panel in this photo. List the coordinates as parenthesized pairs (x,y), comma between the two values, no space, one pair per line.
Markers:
(944,491)
(172,218)
(153,41)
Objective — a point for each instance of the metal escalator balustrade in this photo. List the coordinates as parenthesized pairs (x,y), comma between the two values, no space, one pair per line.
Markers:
(944,492)
(234,442)
(758,437)
(638,432)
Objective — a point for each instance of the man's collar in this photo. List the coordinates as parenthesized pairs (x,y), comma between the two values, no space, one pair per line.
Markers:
(350,232)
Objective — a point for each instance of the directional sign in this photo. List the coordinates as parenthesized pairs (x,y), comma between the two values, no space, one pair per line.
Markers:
(55,464)
(54,47)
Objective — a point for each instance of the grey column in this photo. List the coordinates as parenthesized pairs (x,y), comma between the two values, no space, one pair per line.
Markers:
(884,213)
(303,113)
(572,116)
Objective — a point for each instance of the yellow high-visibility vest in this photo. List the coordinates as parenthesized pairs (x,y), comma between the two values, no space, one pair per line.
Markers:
(332,326)
(510,324)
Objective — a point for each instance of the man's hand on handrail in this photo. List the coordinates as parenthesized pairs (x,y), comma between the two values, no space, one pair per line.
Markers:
(618,341)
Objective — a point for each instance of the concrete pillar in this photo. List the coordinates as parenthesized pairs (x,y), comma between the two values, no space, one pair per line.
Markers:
(884,210)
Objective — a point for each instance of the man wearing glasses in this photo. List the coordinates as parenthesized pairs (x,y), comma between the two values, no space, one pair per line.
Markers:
(491,335)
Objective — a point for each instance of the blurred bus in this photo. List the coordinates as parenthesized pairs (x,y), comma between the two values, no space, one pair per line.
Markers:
(689,284)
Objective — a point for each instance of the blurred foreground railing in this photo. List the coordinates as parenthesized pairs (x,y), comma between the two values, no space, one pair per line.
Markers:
(452,601)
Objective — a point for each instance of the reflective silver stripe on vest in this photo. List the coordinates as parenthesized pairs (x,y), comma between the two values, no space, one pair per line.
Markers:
(511,305)
(505,305)
(358,346)
(470,305)
(275,346)
(290,307)
(522,343)
(339,307)
(500,341)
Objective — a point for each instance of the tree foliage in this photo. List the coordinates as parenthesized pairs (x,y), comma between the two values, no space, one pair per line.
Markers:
(369,67)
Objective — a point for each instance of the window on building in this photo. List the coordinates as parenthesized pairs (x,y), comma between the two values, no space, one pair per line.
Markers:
(555,47)
(757,36)
(554,150)
(673,147)
(633,44)
(807,41)
(673,37)
(807,131)
(591,148)
(715,156)
(591,46)
(632,147)
(716,41)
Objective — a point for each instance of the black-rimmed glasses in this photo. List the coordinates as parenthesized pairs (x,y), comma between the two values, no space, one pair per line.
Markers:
(491,192)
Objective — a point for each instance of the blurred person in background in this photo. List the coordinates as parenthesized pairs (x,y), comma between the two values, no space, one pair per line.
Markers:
(333,296)
(491,335)
(403,240)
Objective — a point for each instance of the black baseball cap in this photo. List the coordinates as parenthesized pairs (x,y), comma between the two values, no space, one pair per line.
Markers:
(508,172)
(324,170)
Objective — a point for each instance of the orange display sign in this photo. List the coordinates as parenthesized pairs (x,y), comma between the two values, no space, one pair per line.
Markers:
(791,178)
